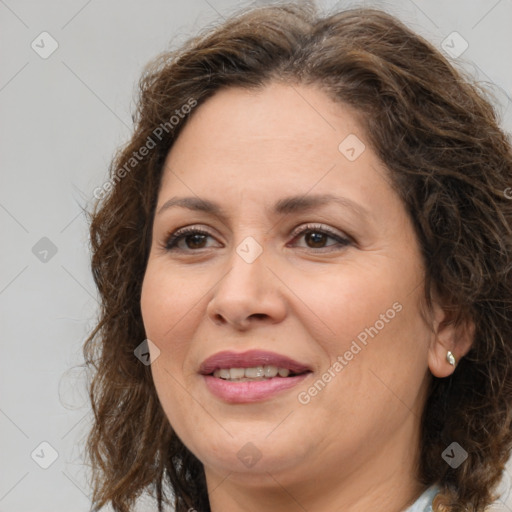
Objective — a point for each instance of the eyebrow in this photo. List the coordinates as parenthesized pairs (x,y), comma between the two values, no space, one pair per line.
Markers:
(287,205)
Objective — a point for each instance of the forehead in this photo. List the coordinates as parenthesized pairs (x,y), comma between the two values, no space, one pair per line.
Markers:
(275,141)
(278,116)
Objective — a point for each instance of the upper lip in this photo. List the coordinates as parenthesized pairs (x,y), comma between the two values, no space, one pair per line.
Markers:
(249,359)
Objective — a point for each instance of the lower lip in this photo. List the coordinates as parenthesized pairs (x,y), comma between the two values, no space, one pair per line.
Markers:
(250,391)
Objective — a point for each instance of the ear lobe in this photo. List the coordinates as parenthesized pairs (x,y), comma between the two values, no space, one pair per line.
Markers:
(448,336)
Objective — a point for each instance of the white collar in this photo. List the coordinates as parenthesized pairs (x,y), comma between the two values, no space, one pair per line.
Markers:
(424,502)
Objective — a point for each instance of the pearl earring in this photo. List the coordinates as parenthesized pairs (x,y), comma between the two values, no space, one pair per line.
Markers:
(450,358)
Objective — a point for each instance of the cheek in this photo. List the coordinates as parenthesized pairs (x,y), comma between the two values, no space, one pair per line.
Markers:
(167,309)
(151,303)
(345,303)
(165,302)
(370,317)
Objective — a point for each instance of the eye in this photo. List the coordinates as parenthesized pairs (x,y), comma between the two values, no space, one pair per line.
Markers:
(316,236)
(194,238)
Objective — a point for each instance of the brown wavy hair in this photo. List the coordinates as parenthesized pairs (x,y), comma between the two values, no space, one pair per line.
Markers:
(438,134)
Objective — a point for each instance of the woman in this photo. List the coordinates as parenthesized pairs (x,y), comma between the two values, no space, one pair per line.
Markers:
(304,259)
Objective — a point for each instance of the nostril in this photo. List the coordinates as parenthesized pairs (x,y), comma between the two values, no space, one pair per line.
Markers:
(259,316)
(219,319)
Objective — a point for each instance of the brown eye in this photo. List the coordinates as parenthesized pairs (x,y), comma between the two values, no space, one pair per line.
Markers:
(193,239)
(317,237)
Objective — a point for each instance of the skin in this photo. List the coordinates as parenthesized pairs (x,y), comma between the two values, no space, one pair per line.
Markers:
(354,446)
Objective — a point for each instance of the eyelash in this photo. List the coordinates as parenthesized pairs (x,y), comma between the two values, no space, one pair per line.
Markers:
(175,237)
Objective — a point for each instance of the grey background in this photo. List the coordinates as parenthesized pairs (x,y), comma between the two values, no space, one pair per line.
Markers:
(61,120)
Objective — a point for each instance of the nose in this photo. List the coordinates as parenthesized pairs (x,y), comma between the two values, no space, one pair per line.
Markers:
(248,295)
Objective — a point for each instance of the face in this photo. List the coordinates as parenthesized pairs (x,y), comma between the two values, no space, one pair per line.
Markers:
(292,254)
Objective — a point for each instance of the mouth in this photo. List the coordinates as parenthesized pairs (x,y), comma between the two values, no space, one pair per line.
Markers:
(251,376)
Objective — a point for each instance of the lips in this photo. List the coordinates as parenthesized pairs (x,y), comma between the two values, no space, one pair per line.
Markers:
(249,359)
(243,390)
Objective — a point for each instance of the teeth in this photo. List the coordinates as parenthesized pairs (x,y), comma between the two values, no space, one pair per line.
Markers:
(271,371)
(237,373)
(224,373)
(254,373)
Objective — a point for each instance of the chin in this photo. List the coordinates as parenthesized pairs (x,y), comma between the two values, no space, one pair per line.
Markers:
(252,455)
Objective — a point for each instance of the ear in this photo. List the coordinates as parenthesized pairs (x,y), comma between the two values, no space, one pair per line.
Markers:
(447,336)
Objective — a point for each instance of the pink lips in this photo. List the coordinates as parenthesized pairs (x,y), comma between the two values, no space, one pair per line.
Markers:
(250,391)
(249,359)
